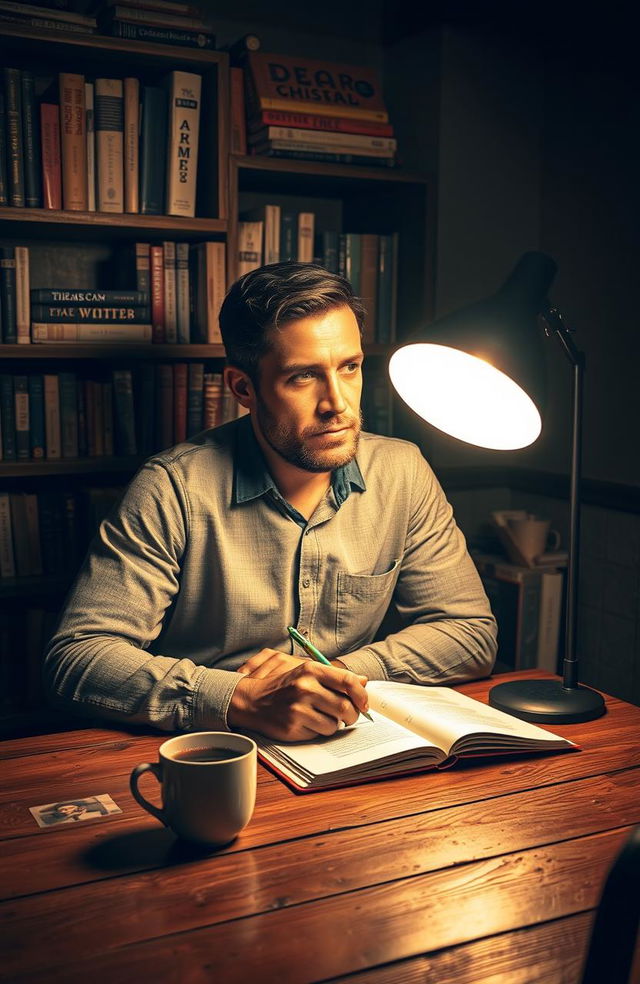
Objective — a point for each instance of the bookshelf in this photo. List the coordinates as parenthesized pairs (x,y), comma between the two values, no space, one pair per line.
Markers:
(348,197)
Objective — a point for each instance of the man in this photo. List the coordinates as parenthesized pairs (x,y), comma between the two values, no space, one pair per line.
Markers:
(287,516)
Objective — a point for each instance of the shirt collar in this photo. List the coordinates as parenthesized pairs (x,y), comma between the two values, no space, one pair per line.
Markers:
(253,479)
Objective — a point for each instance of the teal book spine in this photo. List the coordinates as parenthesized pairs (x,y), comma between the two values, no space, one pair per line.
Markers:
(15,152)
(153,154)
(31,143)
(8,298)
(21,411)
(8,416)
(353,260)
(36,415)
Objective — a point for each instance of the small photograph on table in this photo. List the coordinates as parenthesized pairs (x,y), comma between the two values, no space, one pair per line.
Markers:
(74,810)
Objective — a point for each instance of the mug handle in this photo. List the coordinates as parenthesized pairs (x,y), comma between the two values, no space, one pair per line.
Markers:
(553,540)
(137,795)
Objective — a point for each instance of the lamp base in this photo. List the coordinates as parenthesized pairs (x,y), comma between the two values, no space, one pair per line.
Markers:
(547,700)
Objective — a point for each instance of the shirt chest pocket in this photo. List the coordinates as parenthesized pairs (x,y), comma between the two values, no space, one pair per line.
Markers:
(361,605)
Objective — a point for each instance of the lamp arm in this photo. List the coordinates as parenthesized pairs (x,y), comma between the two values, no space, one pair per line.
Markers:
(553,322)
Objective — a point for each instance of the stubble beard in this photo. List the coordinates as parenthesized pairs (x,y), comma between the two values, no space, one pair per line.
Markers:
(294,448)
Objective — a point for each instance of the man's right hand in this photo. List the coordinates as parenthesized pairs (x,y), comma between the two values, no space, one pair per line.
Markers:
(299,704)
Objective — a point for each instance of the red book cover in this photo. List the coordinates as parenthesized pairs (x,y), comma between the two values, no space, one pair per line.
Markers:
(309,121)
(50,144)
(157,293)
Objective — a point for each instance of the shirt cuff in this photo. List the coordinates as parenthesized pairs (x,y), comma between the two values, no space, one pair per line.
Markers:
(212,698)
(365,662)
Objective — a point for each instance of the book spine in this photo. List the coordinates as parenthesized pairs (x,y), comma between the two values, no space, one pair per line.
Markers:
(182,146)
(7,556)
(528,622)
(8,417)
(86,314)
(170,292)
(387,289)
(50,149)
(238,132)
(15,153)
(21,410)
(143,277)
(42,22)
(31,143)
(288,235)
(372,160)
(249,246)
(306,232)
(550,620)
(130,298)
(124,417)
(271,233)
(180,384)
(90,128)
(131,132)
(182,292)
(33,534)
(23,302)
(8,298)
(155,18)
(88,332)
(185,9)
(68,386)
(83,445)
(53,431)
(311,121)
(107,417)
(37,437)
(329,250)
(321,109)
(73,143)
(195,397)
(369,283)
(4,177)
(153,153)
(353,260)
(216,286)
(20,536)
(143,394)
(162,35)
(212,400)
(17,6)
(326,140)
(109,127)
(157,293)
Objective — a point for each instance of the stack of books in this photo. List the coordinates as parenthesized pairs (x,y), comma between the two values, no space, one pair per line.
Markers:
(52,16)
(162,21)
(315,110)
(100,144)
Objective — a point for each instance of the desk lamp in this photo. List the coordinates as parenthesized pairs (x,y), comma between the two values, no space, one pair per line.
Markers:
(478,374)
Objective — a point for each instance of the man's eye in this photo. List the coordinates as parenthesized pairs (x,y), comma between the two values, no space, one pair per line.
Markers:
(352,366)
(302,376)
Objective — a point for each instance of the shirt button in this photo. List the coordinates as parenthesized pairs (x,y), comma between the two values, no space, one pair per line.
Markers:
(306,582)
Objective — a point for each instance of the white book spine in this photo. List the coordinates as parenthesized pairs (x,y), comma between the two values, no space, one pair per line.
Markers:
(216,289)
(23,297)
(182,147)
(272,234)
(306,229)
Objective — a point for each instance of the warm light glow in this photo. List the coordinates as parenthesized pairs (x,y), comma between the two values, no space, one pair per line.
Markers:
(465,396)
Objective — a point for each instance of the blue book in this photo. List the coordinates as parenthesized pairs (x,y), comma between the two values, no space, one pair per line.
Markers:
(4,187)
(31,143)
(288,236)
(153,149)
(21,404)
(36,415)
(8,302)
(8,415)
(69,414)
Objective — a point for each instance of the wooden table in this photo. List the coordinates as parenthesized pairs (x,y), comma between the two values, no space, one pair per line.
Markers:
(489,871)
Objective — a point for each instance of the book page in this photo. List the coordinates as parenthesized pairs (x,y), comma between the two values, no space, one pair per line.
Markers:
(348,749)
(443,716)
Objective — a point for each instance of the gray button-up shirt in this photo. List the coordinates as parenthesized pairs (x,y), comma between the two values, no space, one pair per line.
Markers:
(203,563)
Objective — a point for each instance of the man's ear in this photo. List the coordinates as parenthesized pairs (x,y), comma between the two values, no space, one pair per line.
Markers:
(240,385)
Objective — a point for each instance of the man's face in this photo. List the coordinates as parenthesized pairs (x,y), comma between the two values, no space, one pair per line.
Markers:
(69,809)
(308,396)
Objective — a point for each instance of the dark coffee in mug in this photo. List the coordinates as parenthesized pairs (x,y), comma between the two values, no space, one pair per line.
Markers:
(215,754)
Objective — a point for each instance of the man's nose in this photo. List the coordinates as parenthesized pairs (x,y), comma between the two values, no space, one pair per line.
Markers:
(332,400)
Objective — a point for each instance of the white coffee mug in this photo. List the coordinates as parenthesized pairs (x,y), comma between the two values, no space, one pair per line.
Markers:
(208,781)
(533,536)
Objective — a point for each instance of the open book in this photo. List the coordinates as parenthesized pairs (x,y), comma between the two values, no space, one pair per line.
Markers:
(414,728)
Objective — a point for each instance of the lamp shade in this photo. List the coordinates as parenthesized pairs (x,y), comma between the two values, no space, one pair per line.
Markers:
(479,373)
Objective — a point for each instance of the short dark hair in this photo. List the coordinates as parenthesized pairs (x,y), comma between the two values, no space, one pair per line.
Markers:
(270,297)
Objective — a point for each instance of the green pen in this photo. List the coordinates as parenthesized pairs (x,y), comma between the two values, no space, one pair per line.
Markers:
(311,650)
